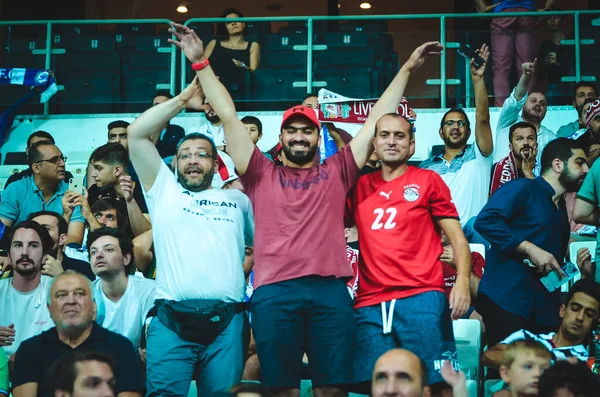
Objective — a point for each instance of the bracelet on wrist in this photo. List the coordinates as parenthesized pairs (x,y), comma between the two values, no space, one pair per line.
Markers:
(200,65)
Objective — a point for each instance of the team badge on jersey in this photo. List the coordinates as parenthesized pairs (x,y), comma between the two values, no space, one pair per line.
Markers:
(411,192)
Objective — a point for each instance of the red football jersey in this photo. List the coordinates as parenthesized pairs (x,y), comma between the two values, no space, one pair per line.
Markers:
(400,242)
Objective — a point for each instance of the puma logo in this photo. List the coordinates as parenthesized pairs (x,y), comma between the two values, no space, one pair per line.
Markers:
(386,195)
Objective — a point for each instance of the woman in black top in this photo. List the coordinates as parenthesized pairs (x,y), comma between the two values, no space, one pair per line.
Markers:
(231,57)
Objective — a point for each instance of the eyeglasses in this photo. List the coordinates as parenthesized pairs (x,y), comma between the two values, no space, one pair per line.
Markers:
(53,160)
(197,156)
(452,123)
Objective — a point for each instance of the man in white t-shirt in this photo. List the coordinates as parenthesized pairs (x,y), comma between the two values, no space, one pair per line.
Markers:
(23,312)
(200,235)
(123,301)
(466,168)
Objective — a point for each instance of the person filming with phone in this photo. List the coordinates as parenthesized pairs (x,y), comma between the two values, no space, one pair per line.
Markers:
(527,225)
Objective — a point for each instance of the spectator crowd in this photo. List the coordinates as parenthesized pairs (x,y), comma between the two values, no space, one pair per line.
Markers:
(197,257)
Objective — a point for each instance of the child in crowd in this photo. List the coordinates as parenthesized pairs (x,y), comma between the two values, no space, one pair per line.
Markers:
(524,363)
(254,128)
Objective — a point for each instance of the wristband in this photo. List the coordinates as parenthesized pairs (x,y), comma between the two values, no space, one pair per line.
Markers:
(200,65)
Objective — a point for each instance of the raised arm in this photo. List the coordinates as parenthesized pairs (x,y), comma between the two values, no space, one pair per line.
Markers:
(362,144)
(523,84)
(239,145)
(142,151)
(483,130)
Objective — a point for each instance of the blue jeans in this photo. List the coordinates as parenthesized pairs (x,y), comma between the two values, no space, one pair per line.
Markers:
(421,323)
(172,362)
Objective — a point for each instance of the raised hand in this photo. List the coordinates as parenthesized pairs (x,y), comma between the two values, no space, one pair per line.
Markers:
(422,53)
(528,163)
(52,267)
(193,96)
(529,67)
(477,73)
(188,41)
(452,377)
(7,335)
(585,264)
(127,187)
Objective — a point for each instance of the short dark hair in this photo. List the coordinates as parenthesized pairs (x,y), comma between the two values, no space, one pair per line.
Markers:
(587,100)
(110,203)
(63,226)
(40,134)
(575,377)
(559,148)
(117,124)
(516,126)
(164,93)
(411,132)
(125,243)
(63,372)
(253,120)
(34,154)
(254,388)
(588,287)
(310,95)
(198,135)
(584,84)
(455,110)
(221,28)
(112,153)
(47,242)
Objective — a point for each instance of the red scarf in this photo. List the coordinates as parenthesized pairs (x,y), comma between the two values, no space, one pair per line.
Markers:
(504,171)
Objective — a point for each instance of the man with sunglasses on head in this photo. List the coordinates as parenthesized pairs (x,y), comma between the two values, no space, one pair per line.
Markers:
(44,190)
(466,168)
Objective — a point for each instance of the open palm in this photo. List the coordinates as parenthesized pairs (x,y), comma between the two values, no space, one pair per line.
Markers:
(422,53)
(188,41)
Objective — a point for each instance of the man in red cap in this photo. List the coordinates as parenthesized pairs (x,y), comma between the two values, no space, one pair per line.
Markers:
(300,302)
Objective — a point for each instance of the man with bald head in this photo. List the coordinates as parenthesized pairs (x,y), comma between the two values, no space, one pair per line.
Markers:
(73,309)
(400,372)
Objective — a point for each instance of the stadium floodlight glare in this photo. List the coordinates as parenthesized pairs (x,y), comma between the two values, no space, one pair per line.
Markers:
(365,5)
(182,9)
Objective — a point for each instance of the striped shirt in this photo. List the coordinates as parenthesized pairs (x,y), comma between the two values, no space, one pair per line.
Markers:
(558,353)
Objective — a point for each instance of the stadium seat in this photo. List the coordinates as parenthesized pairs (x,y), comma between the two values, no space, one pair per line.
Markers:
(25,46)
(193,392)
(259,27)
(490,387)
(94,44)
(269,84)
(350,82)
(91,93)
(139,88)
(151,43)
(15,158)
(346,58)
(346,40)
(479,248)
(472,388)
(278,42)
(283,58)
(467,334)
(293,30)
(142,29)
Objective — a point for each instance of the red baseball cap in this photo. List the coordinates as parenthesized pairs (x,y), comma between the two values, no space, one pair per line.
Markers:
(305,111)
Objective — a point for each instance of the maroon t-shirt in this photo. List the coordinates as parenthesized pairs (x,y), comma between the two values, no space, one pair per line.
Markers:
(299,217)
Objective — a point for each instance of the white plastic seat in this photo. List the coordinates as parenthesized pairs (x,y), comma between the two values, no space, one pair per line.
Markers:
(467,335)
(479,248)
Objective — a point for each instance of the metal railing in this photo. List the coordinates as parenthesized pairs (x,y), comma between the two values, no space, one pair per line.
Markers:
(443,82)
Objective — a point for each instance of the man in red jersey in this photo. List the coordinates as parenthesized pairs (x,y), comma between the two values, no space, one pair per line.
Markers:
(400,300)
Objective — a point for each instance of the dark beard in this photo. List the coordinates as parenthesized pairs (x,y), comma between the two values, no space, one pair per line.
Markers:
(568,182)
(300,159)
(204,184)
(531,118)
(456,145)
(26,272)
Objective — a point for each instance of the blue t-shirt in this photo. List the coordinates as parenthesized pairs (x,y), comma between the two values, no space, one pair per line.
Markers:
(23,198)
(505,4)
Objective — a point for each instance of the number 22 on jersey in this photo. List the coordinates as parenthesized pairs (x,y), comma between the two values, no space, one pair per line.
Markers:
(384,218)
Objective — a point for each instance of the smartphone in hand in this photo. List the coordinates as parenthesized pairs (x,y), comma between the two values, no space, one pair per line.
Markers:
(468,53)
(552,281)
(76,185)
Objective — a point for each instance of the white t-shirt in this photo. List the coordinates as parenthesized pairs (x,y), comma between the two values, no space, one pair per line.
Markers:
(510,115)
(199,240)
(28,311)
(215,132)
(128,315)
(467,176)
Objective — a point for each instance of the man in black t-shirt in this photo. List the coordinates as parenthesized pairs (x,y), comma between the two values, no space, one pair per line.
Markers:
(111,179)
(73,309)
